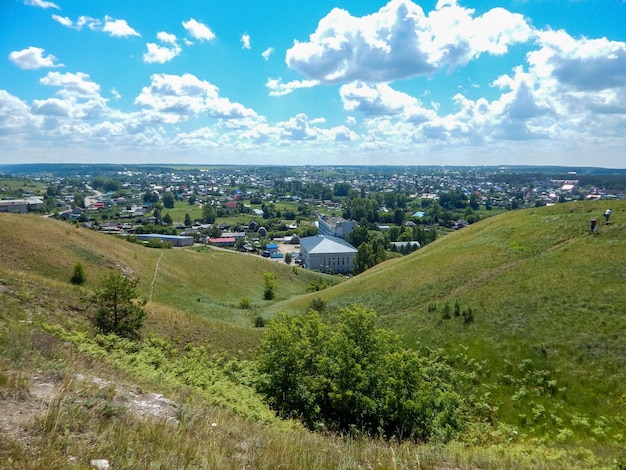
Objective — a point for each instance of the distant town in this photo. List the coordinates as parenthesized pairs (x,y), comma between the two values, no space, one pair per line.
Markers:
(339,220)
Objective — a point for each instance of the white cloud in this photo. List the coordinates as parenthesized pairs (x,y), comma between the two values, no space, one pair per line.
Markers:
(278,88)
(167,38)
(297,128)
(41,4)
(245,41)
(118,28)
(116,94)
(64,20)
(72,84)
(581,65)
(51,107)
(160,54)
(93,24)
(15,116)
(400,41)
(180,97)
(115,28)
(267,53)
(381,100)
(32,58)
(198,30)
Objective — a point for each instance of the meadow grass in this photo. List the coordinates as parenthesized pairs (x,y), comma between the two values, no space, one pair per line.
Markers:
(542,363)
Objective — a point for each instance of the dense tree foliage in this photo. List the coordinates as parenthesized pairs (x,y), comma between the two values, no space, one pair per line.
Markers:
(208,213)
(353,377)
(168,200)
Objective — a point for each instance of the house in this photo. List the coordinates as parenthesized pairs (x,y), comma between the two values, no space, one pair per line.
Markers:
(293,239)
(235,235)
(335,226)
(222,241)
(325,253)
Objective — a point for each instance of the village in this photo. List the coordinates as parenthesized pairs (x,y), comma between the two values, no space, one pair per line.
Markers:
(304,215)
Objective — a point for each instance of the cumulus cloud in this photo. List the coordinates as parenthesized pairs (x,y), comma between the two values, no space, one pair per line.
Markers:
(75,84)
(167,38)
(118,28)
(161,54)
(297,128)
(267,53)
(583,64)
(278,88)
(33,58)
(401,41)
(41,4)
(51,107)
(245,41)
(15,116)
(198,30)
(382,100)
(181,97)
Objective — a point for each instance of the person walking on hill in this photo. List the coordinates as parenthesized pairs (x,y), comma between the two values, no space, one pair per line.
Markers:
(594,227)
(607,215)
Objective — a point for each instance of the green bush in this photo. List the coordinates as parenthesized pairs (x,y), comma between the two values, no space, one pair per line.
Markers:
(79,277)
(352,377)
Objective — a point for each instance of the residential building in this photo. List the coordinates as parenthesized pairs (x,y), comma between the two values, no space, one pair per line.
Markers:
(335,226)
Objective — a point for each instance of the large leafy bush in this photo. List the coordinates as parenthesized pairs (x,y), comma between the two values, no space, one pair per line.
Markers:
(354,377)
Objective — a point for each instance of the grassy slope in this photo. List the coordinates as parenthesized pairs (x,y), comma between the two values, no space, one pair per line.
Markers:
(177,282)
(540,287)
(532,277)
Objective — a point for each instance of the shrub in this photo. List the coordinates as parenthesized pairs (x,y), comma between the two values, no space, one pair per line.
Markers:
(79,277)
(259,322)
(244,303)
(353,377)
(270,283)
(318,304)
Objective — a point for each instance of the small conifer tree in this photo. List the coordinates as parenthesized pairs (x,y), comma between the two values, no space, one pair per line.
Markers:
(79,277)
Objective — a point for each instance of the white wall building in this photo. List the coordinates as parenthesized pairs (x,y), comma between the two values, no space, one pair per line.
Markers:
(324,253)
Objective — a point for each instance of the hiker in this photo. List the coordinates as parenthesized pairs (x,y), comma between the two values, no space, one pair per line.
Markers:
(593,228)
(607,215)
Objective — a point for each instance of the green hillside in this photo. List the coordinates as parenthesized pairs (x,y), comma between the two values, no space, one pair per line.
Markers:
(193,295)
(527,307)
(544,295)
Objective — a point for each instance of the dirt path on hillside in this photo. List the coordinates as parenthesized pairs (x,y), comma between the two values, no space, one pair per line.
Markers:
(156,273)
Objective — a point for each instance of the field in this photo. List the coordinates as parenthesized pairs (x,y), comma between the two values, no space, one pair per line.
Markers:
(527,305)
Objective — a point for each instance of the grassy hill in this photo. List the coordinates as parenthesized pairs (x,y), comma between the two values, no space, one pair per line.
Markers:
(542,360)
(544,295)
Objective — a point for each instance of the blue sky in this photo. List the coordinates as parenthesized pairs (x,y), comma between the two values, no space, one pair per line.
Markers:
(536,82)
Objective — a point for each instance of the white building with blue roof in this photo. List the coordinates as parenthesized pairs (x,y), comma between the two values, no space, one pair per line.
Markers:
(325,253)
